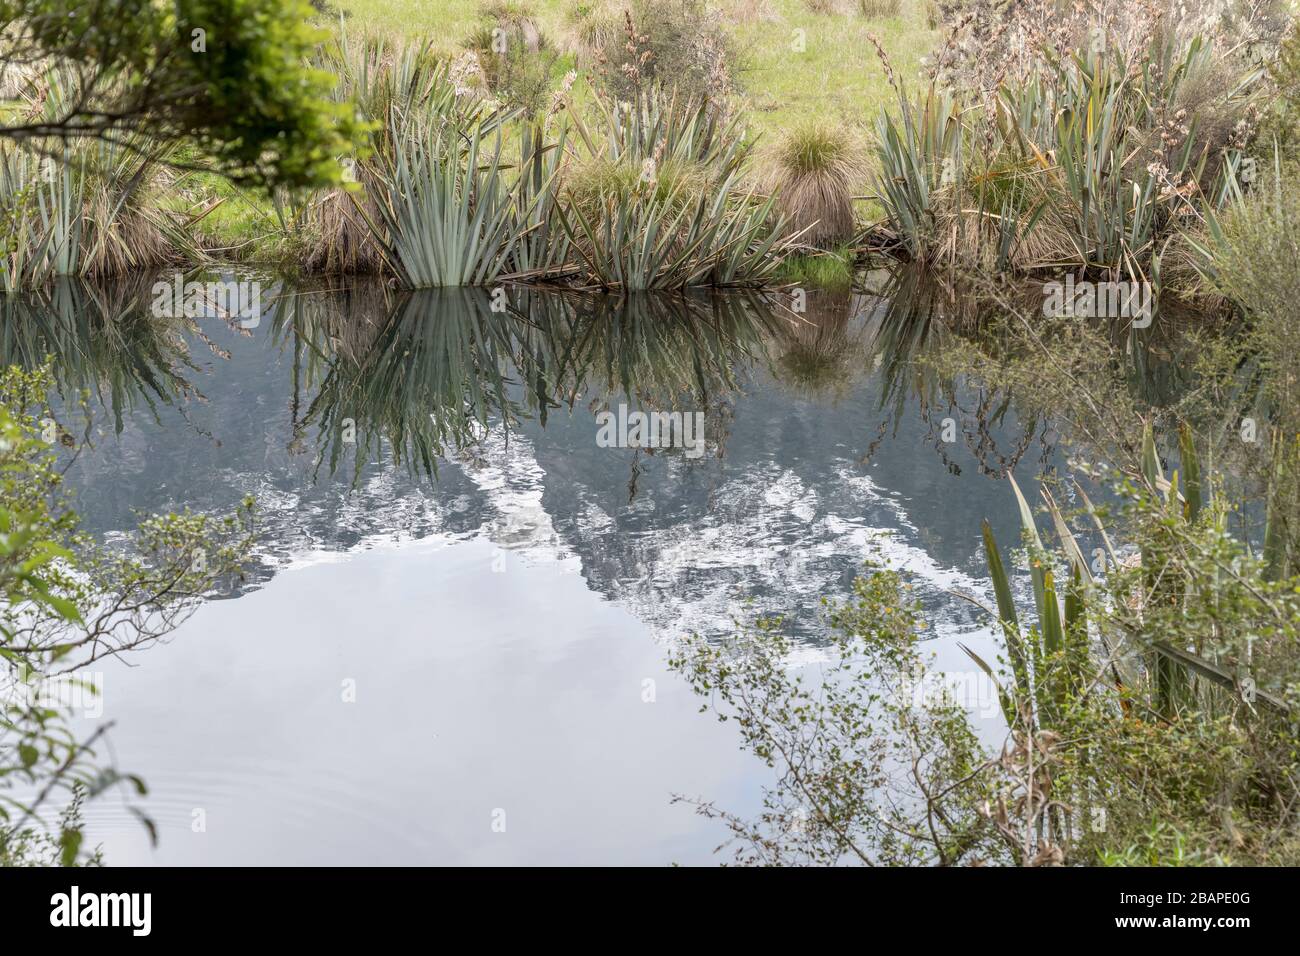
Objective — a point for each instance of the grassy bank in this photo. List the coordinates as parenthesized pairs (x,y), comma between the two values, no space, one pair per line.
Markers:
(792,66)
(1020,141)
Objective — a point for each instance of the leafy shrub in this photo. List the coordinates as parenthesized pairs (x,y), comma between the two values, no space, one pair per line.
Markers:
(1282,125)
(517,59)
(677,44)
(1131,735)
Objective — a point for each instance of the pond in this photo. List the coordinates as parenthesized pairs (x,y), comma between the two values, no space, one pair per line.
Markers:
(450,645)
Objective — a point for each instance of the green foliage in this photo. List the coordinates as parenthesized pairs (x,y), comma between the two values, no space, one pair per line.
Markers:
(517,59)
(1253,266)
(1095,159)
(436,207)
(445,207)
(820,270)
(663,205)
(659,201)
(665,126)
(914,151)
(845,739)
(1179,696)
(1151,707)
(91,211)
(69,603)
(35,845)
(228,76)
(1282,124)
(643,239)
(543,247)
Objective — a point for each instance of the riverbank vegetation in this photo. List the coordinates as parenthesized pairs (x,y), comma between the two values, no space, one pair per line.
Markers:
(619,148)
(1147,678)
(1145,667)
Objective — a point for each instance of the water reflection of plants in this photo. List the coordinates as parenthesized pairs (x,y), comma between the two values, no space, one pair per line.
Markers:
(430,373)
(820,349)
(103,341)
(1101,387)
(919,321)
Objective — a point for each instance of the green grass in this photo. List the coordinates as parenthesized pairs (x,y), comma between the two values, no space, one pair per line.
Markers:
(837,76)
(238,224)
(448,19)
(828,270)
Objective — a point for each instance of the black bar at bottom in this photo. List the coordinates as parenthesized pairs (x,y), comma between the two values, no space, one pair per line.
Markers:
(373,905)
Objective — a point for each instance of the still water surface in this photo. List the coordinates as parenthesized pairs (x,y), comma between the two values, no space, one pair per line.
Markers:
(495,590)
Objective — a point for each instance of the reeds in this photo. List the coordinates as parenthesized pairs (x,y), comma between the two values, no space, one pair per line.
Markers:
(1090,159)
(81,208)
(645,195)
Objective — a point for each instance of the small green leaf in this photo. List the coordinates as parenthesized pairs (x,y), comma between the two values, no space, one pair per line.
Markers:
(28,755)
(70,846)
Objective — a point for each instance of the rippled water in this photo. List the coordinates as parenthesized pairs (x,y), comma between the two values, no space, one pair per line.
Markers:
(497,587)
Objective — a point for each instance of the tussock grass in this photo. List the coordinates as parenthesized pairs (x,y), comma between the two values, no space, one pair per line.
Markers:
(879,9)
(812,170)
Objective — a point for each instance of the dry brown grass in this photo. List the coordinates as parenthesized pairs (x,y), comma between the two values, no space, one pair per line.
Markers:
(590,28)
(827,8)
(342,241)
(750,11)
(876,9)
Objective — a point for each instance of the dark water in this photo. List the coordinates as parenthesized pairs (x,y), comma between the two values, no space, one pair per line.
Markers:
(494,589)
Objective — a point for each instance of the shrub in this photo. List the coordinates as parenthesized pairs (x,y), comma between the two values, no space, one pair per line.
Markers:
(677,44)
(1254,267)
(517,59)
(662,204)
(335,231)
(90,209)
(1094,158)
(1282,125)
(670,227)
(1131,734)
(84,207)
